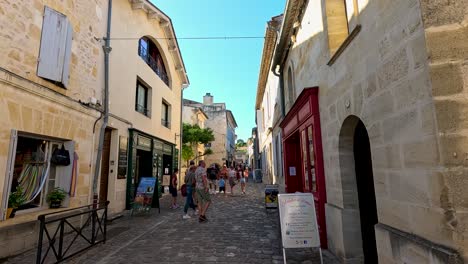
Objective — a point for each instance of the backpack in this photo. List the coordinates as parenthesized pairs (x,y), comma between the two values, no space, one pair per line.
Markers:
(183,190)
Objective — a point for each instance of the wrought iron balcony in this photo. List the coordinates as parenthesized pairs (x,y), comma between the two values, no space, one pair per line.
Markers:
(153,64)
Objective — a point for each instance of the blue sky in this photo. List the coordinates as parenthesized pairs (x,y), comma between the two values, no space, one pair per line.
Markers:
(228,69)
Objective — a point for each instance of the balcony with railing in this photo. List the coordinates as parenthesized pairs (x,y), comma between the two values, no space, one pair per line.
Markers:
(142,109)
(155,62)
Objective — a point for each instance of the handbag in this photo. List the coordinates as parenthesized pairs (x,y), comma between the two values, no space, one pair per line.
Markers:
(183,190)
(60,157)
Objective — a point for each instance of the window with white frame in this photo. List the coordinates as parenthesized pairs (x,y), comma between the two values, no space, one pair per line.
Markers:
(143,102)
(33,174)
(166,114)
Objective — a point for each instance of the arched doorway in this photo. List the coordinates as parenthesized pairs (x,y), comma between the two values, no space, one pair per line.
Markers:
(358,190)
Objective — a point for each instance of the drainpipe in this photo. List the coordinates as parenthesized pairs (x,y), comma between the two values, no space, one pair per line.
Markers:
(107,49)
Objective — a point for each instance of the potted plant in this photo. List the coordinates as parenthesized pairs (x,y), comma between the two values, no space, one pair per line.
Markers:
(55,197)
(15,200)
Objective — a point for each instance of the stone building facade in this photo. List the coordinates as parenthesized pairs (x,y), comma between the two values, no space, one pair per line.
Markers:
(46,105)
(392,82)
(147,76)
(223,124)
(51,80)
(269,110)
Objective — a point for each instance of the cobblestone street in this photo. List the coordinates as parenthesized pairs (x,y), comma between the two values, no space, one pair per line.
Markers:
(239,230)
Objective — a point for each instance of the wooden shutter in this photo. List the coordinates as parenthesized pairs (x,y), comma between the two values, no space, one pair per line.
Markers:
(55,50)
(9,173)
(67,57)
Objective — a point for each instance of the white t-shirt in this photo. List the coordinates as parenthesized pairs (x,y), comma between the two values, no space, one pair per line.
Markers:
(199,173)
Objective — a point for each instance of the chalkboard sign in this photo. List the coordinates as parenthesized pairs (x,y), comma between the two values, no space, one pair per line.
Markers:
(123,158)
(298,220)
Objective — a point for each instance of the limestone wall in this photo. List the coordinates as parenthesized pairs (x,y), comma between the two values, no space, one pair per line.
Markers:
(34,105)
(383,78)
(446,31)
(218,123)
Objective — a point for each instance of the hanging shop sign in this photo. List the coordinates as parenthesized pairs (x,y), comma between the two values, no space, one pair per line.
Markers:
(123,157)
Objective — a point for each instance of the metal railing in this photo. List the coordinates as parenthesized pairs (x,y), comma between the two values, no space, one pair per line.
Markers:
(61,241)
(142,109)
(152,62)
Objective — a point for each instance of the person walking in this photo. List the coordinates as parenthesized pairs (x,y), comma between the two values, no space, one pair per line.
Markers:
(243,179)
(232,179)
(222,185)
(212,175)
(202,189)
(190,181)
(173,189)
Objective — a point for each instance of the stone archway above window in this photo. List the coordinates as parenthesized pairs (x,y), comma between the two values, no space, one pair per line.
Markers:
(150,53)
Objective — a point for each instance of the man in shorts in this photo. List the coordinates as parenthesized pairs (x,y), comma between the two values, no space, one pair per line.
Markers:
(212,173)
(202,190)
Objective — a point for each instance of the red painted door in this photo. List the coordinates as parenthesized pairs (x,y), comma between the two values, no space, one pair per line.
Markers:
(314,180)
(292,157)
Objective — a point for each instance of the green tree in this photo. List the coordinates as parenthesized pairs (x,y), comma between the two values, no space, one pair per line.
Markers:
(191,137)
(241,143)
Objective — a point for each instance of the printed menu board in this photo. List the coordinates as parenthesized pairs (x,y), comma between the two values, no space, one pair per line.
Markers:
(122,167)
(298,220)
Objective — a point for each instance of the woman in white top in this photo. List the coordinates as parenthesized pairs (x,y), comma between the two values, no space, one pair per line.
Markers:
(232,178)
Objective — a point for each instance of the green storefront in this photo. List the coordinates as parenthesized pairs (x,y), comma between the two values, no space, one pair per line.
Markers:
(148,156)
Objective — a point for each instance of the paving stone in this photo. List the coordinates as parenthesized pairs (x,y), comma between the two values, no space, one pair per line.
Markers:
(239,230)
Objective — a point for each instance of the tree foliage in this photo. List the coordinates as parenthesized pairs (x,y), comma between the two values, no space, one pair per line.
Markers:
(191,137)
(241,143)
(193,134)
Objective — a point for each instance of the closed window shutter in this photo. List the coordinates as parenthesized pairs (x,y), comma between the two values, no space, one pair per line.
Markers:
(55,49)
(67,56)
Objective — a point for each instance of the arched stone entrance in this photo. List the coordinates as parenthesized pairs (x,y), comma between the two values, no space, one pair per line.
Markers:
(360,209)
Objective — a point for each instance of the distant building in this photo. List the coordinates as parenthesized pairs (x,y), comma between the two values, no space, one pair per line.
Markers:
(223,124)
(241,155)
(269,110)
(250,152)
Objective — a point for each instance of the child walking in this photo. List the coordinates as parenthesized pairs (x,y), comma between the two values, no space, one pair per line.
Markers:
(222,186)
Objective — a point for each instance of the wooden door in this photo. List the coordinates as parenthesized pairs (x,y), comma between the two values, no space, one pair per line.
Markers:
(104,181)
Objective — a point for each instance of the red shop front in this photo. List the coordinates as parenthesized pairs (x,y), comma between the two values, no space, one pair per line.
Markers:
(303,156)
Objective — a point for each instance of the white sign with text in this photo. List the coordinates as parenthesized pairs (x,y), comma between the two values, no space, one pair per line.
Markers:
(298,220)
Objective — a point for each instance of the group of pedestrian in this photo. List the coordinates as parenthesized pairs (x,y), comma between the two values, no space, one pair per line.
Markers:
(197,189)
(233,176)
(201,183)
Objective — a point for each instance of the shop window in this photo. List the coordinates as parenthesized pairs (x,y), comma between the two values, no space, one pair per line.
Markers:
(149,52)
(166,115)
(35,174)
(312,159)
(142,103)
(55,49)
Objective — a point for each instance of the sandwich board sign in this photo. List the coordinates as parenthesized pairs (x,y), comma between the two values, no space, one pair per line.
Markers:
(298,220)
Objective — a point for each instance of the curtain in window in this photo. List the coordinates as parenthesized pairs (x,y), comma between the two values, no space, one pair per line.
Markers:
(141,97)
